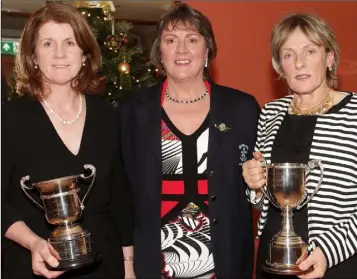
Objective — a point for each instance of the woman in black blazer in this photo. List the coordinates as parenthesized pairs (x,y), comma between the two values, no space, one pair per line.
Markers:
(184,142)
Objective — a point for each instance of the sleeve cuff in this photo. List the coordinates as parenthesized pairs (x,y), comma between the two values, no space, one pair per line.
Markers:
(6,224)
(10,217)
(127,240)
(254,199)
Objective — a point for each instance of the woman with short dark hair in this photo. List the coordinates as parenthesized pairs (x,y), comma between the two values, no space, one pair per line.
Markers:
(183,143)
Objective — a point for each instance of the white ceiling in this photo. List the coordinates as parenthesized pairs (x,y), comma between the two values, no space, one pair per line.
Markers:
(132,10)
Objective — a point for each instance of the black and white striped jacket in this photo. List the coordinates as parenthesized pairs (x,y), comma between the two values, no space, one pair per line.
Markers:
(332,212)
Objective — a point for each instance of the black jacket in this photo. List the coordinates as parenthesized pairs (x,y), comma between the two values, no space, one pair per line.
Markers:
(229,211)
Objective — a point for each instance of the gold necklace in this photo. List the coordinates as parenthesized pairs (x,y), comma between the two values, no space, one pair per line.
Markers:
(319,109)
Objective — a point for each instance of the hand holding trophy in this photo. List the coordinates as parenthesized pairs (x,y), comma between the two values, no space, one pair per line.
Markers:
(286,189)
(63,208)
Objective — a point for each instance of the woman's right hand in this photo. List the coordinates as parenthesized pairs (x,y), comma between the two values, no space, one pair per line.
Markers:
(42,252)
(253,172)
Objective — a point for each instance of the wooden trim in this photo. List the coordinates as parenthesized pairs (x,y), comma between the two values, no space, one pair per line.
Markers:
(133,21)
(15,14)
(138,21)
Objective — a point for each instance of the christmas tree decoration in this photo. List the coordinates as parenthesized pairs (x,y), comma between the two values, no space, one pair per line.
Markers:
(107,7)
(113,42)
(124,68)
(124,64)
(125,40)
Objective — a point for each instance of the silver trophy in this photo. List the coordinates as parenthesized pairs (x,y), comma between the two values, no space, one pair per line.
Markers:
(63,208)
(286,189)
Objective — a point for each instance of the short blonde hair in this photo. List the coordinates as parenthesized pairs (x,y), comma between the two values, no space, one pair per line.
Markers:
(28,78)
(316,30)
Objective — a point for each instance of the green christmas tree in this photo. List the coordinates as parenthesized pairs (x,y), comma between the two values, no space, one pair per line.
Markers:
(125,65)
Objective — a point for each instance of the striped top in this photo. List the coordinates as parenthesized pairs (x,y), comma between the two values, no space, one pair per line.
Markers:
(332,212)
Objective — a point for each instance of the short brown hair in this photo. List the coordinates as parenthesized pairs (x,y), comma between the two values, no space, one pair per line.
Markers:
(316,30)
(28,79)
(191,18)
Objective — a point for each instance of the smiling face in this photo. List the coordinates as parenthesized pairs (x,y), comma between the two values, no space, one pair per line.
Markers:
(304,64)
(57,53)
(183,52)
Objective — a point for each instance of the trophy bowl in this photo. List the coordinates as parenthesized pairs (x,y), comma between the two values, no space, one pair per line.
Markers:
(286,189)
(63,208)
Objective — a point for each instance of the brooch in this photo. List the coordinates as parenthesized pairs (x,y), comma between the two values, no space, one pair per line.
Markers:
(222,127)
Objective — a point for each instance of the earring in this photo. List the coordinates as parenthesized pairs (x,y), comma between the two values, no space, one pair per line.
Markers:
(83,64)
(330,68)
(35,66)
(206,62)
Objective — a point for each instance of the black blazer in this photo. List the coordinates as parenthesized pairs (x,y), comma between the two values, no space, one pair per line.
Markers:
(229,211)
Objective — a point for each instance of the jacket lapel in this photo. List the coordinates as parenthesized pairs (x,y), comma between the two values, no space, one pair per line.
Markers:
(219,124)
(148,113)
(272,128)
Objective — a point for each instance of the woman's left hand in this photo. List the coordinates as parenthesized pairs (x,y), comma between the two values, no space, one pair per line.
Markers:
(129,270)
(318,261)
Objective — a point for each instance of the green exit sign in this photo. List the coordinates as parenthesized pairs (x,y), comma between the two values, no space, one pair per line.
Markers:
(8,47)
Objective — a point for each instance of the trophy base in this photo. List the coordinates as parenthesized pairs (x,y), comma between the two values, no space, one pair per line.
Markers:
(79,262)
(74,247)
(285,254)
(283,269)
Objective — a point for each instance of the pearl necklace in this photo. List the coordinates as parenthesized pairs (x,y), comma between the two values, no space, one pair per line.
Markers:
(65,122)
(319,109)
(186,102)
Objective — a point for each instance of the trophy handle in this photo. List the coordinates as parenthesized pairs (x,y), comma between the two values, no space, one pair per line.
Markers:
(264,188)
(91,175)
(306,198)
(24,188)
(268,196)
